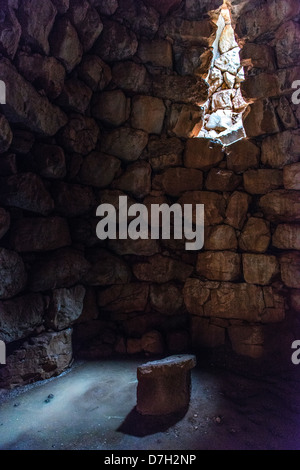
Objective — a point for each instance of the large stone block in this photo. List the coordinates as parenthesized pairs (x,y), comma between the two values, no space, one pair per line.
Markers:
(126,298)
(6,134)
(287,40)
(80,135)
(281,149)
(219,265)
(10,33)
(106,269)
(214,205)
(157,52)
(195,294)
(247,340)
(256,235)
(75,96)
(222,180)
(163,7)
(203,153)
(136,180)
(20,317)
(258,56)
(287,237)
(13,276)
(106,7)
(205,334)
(237,209)
(148,114)
(131,77)
(262,86)
(116,42)
(291,176)
(139,247)
(86,21)
(72,200)
(142,18)
(166,298)
(242,155)
(43,357)
(260,269)
(262,181)
(111,107)
(175,181)
(61,268)
(188,89)
(49,161)
(290,269)
(99,169)
(39,234)
(37,18)
(157,381)
(94,72)
(237,301)
(125,143)
(200,32)
(45,73)
(219,238)
(185,120)
(260,118)
(65,44)
(25,106)
(64,307)
(281,206)
(159,268)
(164,152)
(26,191)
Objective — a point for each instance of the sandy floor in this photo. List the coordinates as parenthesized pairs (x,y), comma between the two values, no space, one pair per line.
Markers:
(91,407)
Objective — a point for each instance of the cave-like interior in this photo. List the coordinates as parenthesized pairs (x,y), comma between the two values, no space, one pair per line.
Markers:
(158,103)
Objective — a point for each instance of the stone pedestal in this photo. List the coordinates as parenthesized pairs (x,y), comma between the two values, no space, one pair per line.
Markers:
(164,385)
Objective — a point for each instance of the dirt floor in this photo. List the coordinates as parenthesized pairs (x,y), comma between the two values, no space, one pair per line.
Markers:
(92,407)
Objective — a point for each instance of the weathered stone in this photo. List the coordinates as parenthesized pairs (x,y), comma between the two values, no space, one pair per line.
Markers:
(62,6)
(148,114)
(195,294)
(106,269)
(72,200)
(45,73)
(157,52)
(222,100)
(237,209)
(281,149)
(260,118)
(203,153)
(192,60)
(142,19)
(205,334)
(80,135)
(247,340)
(242,155)
(124,298)
(194,9)
(75,96)
(260,269)
(220,237)
(291,176)
(152,343)
(26,191)
(43,357)
(275,305)
(238,102)
(61,268)
(20,317)
(227,39)
(287,237)
(111,107)
(222,180)
(238,301)
(157,381)
(281,206)
(10,32)
(6,134)
(125,143)
(287,39)
(262,86)
(86,21)
(131,77)
(13,276)
(262,181)
(175,181)
(159,268)
(116,42)
(111,196)
(188,89)
(49,161)
(139,247)
(99,169)
(22,141)
(258,56)
(8,164)
(166,298)
(39,234)
(106,7)
(64,307)
(290,269)
(4,222)
(219,265)
(164,152)
(286,114)
(185,120)
(136,179)
(215,80)
(65,44)
(256,236)
(163,7)
(214,205)
(39,114)
(94,72)
(229,61)
(200,33)
(37,18)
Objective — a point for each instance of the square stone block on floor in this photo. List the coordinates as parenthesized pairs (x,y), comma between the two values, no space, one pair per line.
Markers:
(164,385)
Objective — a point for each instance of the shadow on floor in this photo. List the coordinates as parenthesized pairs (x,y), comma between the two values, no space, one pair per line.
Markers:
(139,425)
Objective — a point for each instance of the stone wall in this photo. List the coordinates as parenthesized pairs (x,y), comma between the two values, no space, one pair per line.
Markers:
(105,98)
